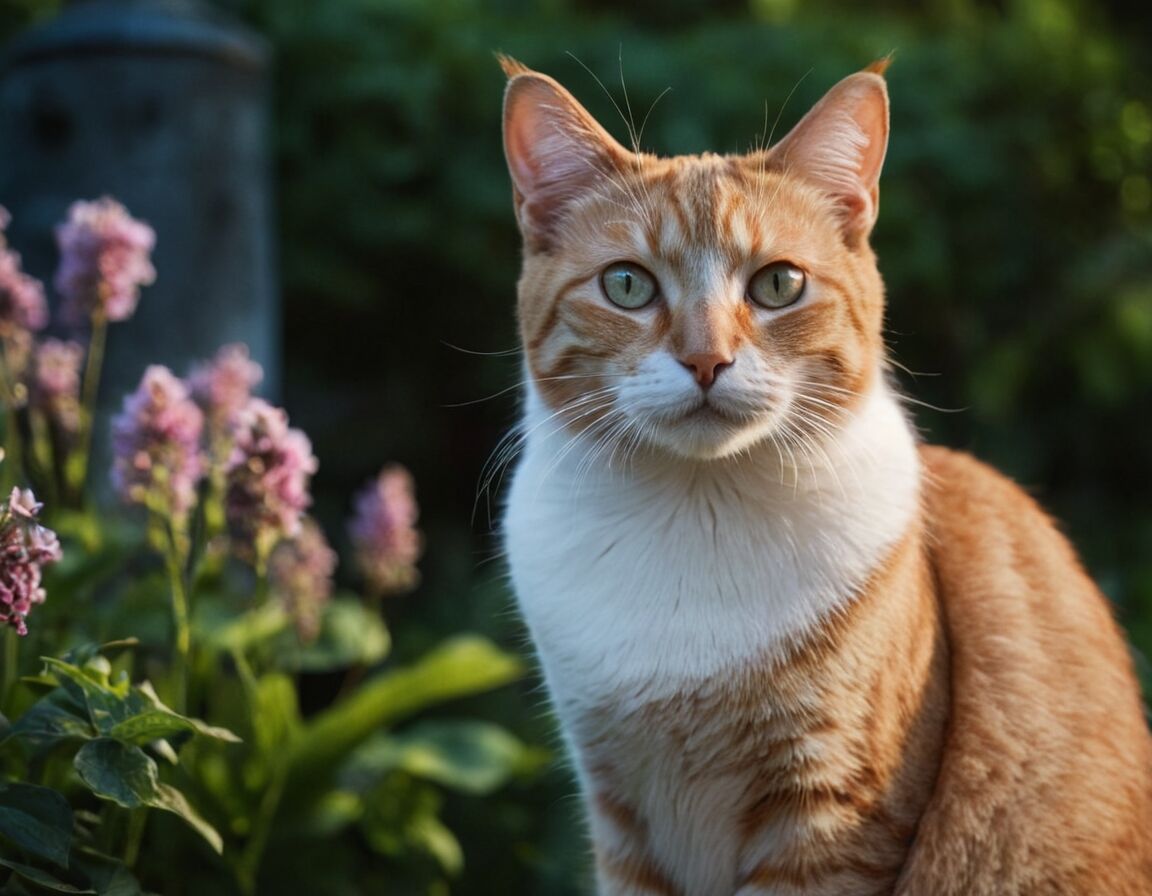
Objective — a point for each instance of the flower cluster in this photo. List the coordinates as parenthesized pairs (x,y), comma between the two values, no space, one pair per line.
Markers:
(300,575)
(267,477)
(25,547)
(223,385)
(384,535)
(104,260)
(55,383)
(22,303)
(156,441)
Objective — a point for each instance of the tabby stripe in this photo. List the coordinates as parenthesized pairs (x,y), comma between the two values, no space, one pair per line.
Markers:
(621,814)
(638,872)
(552,318)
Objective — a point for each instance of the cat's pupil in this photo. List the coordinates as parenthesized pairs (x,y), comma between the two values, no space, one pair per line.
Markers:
(627,282)
(776,282)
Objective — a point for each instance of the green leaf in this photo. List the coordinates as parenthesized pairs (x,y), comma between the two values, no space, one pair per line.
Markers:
(161,722)
(37,819)
(218,626)
(43,878)
(350,634)
(275,713)
(127,713)
(464,665)
(126,775)
(55,718)
(471,756)
(108,876)
(118,772)
(401,817)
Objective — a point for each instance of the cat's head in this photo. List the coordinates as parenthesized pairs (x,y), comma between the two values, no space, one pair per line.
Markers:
(700,304)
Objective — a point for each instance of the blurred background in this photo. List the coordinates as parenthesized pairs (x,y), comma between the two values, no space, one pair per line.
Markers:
(1015,237)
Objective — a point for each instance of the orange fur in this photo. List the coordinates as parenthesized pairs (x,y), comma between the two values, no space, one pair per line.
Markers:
(967,722)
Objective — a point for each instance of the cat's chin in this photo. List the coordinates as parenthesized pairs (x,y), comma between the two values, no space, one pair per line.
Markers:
(710,436)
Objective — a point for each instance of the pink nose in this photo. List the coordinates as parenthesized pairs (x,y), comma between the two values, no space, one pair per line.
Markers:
(705,366)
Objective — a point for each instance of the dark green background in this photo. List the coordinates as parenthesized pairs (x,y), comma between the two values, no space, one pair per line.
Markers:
(1015,237)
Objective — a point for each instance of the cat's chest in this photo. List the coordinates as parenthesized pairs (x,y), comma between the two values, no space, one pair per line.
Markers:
(634,585)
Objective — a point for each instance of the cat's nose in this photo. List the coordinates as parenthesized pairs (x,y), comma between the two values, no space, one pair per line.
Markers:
(705,366)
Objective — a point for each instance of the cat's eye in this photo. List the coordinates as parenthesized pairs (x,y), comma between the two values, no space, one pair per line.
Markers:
(628,285)
(776,285)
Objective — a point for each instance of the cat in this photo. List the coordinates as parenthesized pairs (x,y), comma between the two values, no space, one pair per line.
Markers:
(792,650)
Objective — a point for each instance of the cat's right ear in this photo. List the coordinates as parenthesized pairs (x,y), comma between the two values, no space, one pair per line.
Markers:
(556,151)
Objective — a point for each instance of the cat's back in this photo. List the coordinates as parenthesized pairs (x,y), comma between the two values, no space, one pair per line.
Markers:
(1047,746)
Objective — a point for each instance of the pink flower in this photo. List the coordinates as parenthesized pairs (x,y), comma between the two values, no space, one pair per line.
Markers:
(300,573)
(104,260)
(22,304)
(55,382)
(384,534)
(156,443)
(25,547)
(223,385)
(267,478)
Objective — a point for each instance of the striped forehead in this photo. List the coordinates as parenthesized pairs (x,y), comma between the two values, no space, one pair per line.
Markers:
(697,219)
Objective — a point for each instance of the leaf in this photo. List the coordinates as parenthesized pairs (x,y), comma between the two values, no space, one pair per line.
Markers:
(108,876)
(37,819)
(471,756)
(172,800)
(162,722)
(55,718)
(127,713)
(350,634)
(218,626)
(401,817)
(464,665)
(43,878)
(275,712)
(126,775)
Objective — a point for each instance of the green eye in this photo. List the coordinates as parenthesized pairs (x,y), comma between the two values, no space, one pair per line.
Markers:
(628,285)
(776,285)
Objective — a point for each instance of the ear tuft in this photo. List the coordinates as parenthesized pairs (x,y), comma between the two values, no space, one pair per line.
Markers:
(880,66)
(511,67)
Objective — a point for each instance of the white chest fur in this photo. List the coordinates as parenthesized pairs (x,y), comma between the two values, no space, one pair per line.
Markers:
(641,582)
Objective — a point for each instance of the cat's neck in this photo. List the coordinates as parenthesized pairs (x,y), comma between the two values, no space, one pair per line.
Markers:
(714,562)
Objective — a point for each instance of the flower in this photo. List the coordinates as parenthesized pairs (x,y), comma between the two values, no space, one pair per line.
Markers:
(384,535)
(267,478)
(300,575)
(223,385)
(55,382)
(25,547)
(156,439)
(104,259)
(22,303)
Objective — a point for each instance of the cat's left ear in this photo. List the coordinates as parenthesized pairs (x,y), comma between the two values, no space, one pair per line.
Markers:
(839,146)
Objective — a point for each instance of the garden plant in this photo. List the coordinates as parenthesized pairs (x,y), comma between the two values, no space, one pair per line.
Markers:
(153,643)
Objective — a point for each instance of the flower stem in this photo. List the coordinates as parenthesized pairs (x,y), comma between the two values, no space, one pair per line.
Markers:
(10,669)
(92,368)
(137,819)
(175,557)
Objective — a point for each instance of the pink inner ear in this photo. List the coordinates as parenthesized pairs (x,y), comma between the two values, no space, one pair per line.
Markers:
(555,149)
(840,144)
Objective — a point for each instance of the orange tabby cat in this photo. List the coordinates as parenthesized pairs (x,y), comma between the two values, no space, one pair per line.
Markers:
(792,651)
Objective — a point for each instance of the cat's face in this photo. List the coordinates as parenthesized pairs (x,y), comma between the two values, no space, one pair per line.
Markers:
(700,304)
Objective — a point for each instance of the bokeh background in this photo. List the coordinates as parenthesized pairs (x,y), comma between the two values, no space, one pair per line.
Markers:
(1015,237)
